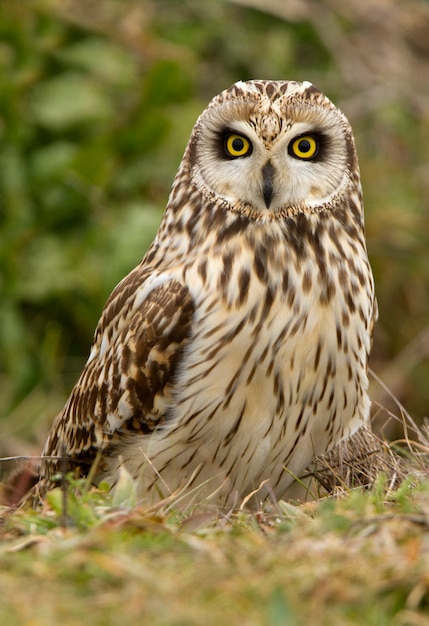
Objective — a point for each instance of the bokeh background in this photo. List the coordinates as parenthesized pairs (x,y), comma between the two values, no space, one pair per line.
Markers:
(97,100)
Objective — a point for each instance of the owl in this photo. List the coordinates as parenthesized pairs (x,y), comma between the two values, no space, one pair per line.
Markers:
(237,350)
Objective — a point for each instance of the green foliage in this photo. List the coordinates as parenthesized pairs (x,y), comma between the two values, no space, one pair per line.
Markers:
(80,133)
(95,110)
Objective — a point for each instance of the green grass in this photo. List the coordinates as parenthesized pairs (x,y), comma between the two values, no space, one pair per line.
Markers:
(359,559)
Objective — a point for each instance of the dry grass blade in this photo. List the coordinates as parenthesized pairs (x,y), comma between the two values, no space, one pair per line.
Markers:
(356,462)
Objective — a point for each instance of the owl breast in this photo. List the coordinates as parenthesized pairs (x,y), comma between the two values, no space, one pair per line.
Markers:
(266,382)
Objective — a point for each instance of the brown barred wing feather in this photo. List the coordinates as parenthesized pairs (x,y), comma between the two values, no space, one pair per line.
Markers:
(127,381)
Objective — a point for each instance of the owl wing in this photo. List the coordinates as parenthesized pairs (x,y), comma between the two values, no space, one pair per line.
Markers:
(126,383)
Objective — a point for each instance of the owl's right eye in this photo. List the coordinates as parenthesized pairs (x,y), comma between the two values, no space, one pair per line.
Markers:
(305,147)
(237,145)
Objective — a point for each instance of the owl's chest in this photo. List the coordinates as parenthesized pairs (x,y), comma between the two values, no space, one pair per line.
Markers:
(268,377)
(253,355)
(263,344)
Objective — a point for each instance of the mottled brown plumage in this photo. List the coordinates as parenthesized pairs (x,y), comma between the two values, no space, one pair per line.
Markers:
(238,348)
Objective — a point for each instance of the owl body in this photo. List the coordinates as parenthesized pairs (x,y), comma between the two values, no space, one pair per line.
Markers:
(237,350)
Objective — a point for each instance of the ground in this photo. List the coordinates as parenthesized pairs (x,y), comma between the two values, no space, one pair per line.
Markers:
(361,557)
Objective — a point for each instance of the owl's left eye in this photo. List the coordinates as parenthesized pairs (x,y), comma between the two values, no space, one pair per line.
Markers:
(237,145)
(304,147)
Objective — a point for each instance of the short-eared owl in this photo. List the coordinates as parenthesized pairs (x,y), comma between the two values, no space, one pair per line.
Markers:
(238,348)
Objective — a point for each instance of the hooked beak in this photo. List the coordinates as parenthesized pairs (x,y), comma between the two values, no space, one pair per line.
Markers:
(268,172)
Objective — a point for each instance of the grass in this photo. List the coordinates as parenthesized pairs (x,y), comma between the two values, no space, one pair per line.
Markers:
(352,555)
(362,558)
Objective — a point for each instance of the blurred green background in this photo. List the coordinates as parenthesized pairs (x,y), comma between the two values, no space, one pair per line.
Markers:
(97,100)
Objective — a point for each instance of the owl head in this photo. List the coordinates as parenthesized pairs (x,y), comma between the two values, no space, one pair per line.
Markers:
(270,148)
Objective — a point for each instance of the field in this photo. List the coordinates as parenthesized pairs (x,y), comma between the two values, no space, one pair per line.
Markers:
(362,558)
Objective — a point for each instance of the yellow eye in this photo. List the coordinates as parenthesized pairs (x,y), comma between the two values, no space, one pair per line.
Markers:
(305,147)
(237,145)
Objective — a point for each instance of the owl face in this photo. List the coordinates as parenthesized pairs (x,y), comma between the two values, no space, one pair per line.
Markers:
(266,148)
